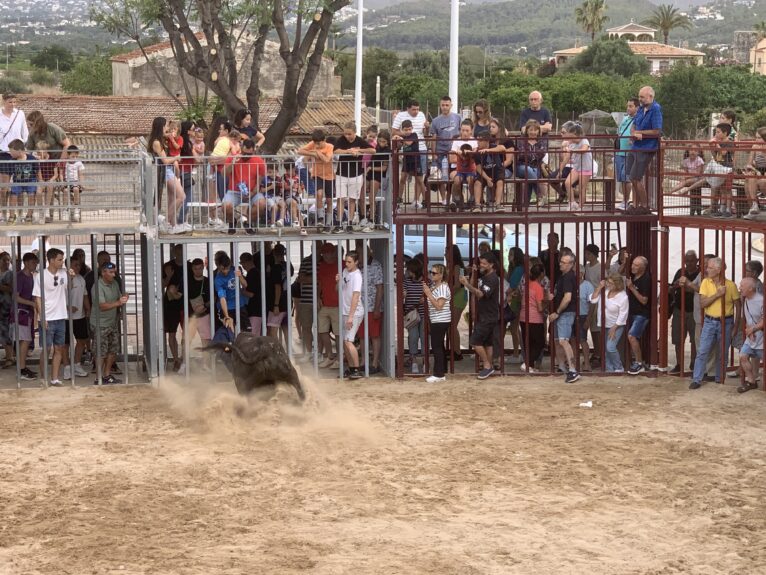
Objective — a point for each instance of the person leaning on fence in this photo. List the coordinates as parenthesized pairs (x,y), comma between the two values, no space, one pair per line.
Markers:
(6,301)
(754,269)
(319,153)
(198,301)
(54,323)
(565,311)
(751,353)
(722,306)
(173,302)
(327,315)
(225,290)
(756,170)
(532,318)
(108,300)
(623,145)
(25,172)
(615,317)
(486,293)
(73,170)
(243,173)
(645,133)
(13,126)
(376,171)
(689,271)
(414,302)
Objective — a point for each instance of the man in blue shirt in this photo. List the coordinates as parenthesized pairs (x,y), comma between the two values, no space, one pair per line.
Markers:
(645,132)
(624,145)
(445,128)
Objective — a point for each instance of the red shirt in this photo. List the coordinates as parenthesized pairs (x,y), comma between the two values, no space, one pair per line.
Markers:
(249,169)
(173,152)
(328,287)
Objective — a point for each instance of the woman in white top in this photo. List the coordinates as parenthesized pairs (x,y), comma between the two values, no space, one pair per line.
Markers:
(353,310)
(615,316)
(438,297)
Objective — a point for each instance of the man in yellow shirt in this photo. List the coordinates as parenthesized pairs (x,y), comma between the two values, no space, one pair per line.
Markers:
(719,299)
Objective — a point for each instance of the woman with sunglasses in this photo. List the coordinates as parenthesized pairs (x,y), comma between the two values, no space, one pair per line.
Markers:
(438,297)
(481,119)
(243,122)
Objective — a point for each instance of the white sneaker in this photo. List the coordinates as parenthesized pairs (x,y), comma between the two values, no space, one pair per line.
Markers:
(296,224)
(326,362)
(574,206)
(79,371)
(186,227)
(173,230)
(355,220)
(280,223)
(434,379)
(217,224)
(182,368)
(77,217)
(67,372)
(622,206)
(364,222)
(754,209)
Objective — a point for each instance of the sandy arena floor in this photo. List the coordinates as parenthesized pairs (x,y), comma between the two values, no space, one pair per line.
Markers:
(387,478)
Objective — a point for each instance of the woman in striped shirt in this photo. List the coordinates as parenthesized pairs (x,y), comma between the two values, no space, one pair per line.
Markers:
(440,317)
(413,299)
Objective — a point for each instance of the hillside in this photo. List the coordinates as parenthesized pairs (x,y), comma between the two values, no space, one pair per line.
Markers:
(508,26)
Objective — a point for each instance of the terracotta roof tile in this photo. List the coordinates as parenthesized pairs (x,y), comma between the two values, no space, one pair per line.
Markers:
(657,49)
(153,49)
(132,116)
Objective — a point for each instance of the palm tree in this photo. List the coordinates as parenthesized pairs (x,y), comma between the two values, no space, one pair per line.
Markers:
(591,16)
(665,18)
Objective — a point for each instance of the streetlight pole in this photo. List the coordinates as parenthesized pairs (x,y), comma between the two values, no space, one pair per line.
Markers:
(453,52)
(358,75)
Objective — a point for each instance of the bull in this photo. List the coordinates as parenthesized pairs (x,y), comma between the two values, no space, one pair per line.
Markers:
(258,361)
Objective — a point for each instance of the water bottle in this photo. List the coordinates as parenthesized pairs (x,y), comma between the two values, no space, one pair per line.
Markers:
(243,189)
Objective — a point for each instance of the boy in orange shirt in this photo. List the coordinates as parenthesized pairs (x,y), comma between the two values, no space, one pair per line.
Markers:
(320,151)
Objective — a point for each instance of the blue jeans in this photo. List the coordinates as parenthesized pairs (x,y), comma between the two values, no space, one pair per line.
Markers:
(619,168)
(524,172)
(415,336)
(613,361)
(710,337)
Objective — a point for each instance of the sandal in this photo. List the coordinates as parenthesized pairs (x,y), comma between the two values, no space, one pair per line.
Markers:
(747,386)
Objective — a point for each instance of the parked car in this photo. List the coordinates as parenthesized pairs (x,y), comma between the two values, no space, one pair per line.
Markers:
(436,237)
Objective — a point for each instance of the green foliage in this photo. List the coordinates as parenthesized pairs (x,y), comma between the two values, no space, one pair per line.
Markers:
(378,62)
(685,95)
(90,76)
(13,86)
(54,57)
(591,16)
(752,122)
(425,89)
(736,87)
(612,57)
(666,18)
(43,77)
(200,110)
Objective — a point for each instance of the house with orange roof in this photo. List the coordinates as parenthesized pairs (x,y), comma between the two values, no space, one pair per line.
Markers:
(641,42)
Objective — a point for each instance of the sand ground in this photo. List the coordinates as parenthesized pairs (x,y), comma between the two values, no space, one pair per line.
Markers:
(385,477)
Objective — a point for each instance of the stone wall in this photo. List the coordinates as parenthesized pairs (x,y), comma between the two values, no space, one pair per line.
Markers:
(136,77)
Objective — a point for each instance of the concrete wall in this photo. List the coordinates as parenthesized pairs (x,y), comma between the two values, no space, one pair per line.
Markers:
(136,77)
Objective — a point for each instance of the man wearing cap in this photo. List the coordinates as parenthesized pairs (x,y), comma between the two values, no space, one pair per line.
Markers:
(107,299)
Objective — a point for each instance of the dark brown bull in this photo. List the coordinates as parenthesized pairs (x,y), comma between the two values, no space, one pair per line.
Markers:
(259,361)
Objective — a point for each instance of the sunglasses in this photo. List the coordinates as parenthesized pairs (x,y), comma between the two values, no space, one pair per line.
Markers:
(56,281)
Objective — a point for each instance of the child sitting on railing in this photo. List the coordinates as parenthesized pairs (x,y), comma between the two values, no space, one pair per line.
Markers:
(756,166)
(692,164)
(720,164)
(73,178)
(577,152)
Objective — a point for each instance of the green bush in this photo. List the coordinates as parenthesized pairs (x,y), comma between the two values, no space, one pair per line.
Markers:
(43,77)
(752,122)
(13,86)
(90,76)
(14,74)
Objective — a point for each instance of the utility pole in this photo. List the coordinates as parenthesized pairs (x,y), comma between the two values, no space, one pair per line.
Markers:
(453,52)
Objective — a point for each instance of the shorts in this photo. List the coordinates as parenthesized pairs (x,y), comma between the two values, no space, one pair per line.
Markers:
(171,319)
(373,326)
(170,173)
(497,173)
(55,335)
(585,173)
(306,315)
(325,186)
(80,329)
(256,325)
(108,340)
(270,200)
(675,327)
(636,164)
(350,334)
(6,164)
(583,323)
(28,188)
(749,351)
(714,167)
(465,175)
(483,334)
(565,325)
(638,324)
(619,168)
(327,317)
(349,187)
(233,198)
(74,188)
(22,332)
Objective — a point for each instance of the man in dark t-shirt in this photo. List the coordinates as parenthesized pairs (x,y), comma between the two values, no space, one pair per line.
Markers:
(536,111)
(487,308)
(550,258)
(690,271)
(639,286)
(349,176)
(564,315)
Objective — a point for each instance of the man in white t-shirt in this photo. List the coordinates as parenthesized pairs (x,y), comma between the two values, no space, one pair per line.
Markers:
(419,126)
(352,307)
(55,318)
(13,126)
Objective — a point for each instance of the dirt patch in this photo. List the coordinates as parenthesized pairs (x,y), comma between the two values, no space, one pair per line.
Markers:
(384,477)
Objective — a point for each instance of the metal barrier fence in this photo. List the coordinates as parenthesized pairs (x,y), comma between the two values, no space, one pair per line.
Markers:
(249,194)
(75,193)
(523,176)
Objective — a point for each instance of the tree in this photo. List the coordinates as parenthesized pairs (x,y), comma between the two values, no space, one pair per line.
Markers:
(613,57)
(378,62)
(665,18)
(91,76)
(760,29)
(591,16)
(225,26)
(684,93)
(54,57)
